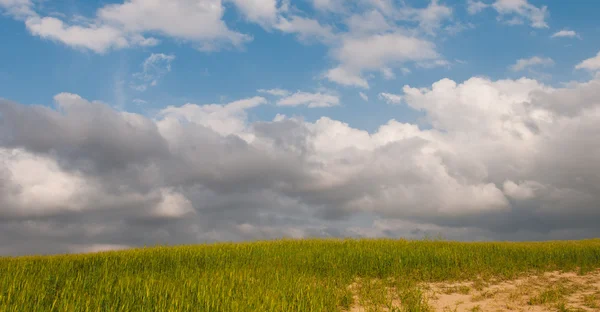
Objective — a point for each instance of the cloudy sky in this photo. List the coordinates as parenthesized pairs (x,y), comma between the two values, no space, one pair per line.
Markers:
(144,122)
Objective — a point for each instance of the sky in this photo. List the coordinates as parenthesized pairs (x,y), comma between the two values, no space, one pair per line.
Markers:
(166,122)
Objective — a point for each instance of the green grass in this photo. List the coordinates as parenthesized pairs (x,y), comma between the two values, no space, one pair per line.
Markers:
(285,275)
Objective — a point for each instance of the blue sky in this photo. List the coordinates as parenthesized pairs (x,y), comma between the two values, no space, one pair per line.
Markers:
(136,122)
(33,69)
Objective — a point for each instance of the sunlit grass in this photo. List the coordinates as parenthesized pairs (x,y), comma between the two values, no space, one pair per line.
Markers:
(284,275)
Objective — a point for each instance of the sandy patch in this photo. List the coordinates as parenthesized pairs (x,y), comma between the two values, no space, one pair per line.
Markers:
(552,291)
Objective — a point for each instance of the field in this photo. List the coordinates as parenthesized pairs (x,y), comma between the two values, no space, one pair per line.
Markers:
(311,275)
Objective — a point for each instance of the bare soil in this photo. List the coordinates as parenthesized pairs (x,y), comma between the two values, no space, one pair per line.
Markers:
(552,291)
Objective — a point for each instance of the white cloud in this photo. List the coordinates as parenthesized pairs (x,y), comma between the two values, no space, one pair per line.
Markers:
(154,67)
(363,96)
(117,26)
(328,5)
(565,33)
(305,28)
(275,92)
(591,64)
(489,165)
(434,63)
(346,77)
(312,100)
(222,119)
(429,18)
(516,9)
(522,64)
(390,98)
(474,6)
(259,11)
(20,9)
(197,21)
(96,38)
(388,73)
(369,22)
(359,54)
(522,9)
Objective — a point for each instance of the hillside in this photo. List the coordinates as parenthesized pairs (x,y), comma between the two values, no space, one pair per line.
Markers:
(310,275)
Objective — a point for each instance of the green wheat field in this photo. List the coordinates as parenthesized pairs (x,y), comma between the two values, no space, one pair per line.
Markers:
(281,275)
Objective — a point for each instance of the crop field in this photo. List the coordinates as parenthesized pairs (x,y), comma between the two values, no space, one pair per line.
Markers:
(311,275)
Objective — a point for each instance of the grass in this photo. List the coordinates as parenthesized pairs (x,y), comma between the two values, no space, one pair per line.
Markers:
(284,275)
(591,301)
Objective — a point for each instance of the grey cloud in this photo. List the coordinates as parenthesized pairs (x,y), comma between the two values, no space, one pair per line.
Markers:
(510,159)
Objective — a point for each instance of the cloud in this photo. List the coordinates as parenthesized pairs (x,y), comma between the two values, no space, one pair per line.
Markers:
(258,11)
(388,73)
(458,27)
(96,38)
(370,36)
(154,67)
(487,167)
(565,33)
(591,64)
(390,98)
(522,9)
(122,25)
(368,22)
(517,9)
(374,52)
(522,64)
(328,5)
(429,18)
(197,21)
(474,7)
(275,92)
(305,28)
(312,100)
(20,9)
(363,96)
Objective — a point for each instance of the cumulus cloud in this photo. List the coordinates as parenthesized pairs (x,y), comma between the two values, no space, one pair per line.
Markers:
(306,29)
(370,36)
(120,25)
(376,52)
(522,64)
(492,165)
(591,64)
(197,21)
(258,11)
(383,36)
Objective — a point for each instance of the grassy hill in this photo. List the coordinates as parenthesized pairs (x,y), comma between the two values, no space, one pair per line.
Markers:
(283,275)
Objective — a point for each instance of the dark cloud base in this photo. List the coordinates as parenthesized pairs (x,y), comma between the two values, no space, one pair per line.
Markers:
(503,160)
